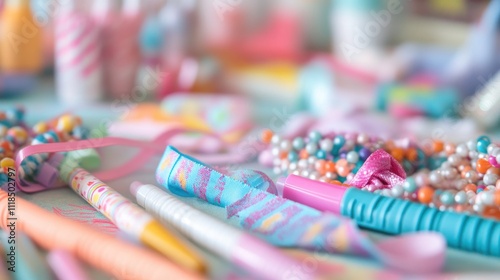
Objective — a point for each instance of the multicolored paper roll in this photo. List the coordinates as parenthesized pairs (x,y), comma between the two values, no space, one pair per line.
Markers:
(78,57)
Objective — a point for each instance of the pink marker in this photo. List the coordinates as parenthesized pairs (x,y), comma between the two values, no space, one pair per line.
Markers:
(246,251)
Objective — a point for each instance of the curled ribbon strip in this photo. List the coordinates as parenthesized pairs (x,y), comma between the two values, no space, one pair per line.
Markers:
(249,196)
(147,149)
(380,171)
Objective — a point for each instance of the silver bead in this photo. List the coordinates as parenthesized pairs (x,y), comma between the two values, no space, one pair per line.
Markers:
(352,157)
(462,150)
(326,145)
(490,179)
(460,197)
(311,148)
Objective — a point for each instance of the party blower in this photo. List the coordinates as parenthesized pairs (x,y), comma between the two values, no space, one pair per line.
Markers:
(394,216)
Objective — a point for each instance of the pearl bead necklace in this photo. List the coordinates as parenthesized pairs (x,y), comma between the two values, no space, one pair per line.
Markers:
(463,178)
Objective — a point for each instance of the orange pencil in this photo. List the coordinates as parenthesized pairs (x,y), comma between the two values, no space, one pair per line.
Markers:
(116,257)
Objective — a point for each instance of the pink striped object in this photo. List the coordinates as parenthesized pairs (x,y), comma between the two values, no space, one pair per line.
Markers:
(78,56)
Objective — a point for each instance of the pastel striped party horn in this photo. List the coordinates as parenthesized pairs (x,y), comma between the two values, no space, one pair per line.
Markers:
(250,197)
(78,57)
(121,50)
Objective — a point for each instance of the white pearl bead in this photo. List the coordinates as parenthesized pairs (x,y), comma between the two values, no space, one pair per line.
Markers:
(490,179)
(471,144)
(454,160)
(471,176)
(462,150)
(293,166)
(491,188)
(363,138)
(397,191)
(473,154)
(460,184)
(286,145)
(314,176)
(460,197)
(422,179)
(303,164)
(326,145)
(495,152)
(275,151)
(498,158)
(304,173)
(285,165)
(331,175)
(491,147)
(296,172)
(277,170)
(486,198)
(276,162)
(479,208)
(311,160)
(435,178)
(276,139)
(386,192)
(446,164)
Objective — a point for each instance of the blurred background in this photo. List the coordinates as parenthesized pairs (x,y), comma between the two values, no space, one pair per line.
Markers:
(392,68)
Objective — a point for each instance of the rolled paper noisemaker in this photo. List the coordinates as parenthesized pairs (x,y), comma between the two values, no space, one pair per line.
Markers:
(251,197)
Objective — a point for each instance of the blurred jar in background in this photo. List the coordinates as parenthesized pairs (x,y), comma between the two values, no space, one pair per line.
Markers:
(361,28)
(21,39)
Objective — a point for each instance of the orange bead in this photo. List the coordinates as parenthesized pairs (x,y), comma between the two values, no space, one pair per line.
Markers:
(320,166)
(343,171)
(437,146)
(335,182)
(266,136)
(498,185)
(494,170)
(482,165)
(283,155)
(303,154)
(425,194)
(412,154)
(491,212)
(389,145)
(497,198)
(330,166)
(341,162)
(470,187)
(398,154)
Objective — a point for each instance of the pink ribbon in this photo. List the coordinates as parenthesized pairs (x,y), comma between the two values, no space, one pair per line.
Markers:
(380,171)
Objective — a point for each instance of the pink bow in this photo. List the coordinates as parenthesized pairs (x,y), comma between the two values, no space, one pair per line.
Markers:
(380,171)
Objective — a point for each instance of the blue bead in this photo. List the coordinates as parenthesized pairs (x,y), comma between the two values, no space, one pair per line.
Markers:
(339,141)
(293,156)
(315,136)
(446,198)
(482,144)
(298,143)
(479,190)
(321,154)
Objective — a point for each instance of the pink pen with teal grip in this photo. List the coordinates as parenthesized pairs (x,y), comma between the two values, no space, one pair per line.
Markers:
(395,216)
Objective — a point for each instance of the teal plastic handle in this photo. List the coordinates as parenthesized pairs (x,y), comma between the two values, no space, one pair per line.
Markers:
(396,216)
